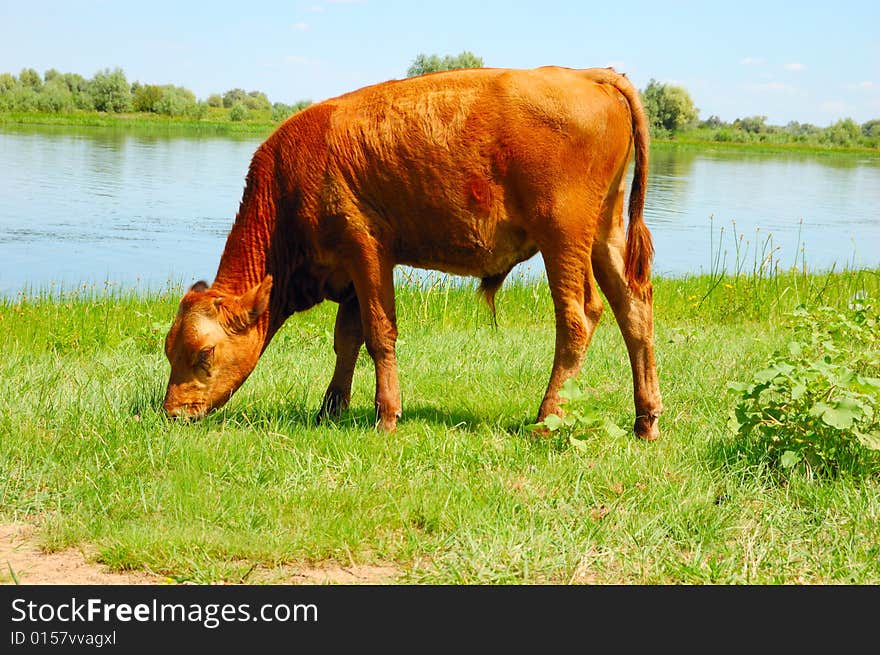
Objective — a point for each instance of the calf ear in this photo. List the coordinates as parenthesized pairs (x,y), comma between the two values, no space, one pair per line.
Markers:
(199,286)
(256,300)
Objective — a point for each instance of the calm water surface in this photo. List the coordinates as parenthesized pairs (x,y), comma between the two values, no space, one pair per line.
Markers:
(96,206)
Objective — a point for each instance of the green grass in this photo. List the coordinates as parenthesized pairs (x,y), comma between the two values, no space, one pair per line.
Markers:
(463,492)
(216,122)
(707,138)
(756,146)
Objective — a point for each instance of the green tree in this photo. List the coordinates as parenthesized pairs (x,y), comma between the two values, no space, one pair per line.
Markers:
(31,79)
(175,101)
(238,112)
(424,64)
(146,97)
(257,101)
(713,122)
(76,83)
(7,82)
(281,111)
(669,107)
(871,129)
(23,98)
(55,97)
(751,124)
(198,110)
(844,132)
(110,91)
(215,100)
(233,96)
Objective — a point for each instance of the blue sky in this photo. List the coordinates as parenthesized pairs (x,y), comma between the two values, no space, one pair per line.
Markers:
(810,62)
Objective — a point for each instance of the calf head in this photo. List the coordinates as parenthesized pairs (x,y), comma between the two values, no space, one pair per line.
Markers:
(213,345)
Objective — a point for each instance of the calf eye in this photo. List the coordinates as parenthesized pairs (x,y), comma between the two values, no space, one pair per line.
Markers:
(205,356)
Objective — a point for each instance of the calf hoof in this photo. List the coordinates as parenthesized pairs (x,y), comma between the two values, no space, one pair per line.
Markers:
(388,423)
(538,429)
(647,427)
(333,405)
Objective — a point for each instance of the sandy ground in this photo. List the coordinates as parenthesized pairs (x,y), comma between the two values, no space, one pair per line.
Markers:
(20,555)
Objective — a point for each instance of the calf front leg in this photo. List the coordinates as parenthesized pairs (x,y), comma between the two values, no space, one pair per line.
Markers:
(373,279)
(348,337)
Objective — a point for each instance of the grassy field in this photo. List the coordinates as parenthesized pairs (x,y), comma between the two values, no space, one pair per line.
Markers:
(464,493)
(217,121)
(703,142)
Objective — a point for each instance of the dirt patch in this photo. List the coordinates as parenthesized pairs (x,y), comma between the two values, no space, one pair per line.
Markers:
(20,555)
(21,558)
(328,573)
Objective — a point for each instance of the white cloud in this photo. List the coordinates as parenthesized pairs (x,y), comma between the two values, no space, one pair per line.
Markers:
(836,107)
(301,26)
(865,86)
(751,61)
(771,87)
(795,66)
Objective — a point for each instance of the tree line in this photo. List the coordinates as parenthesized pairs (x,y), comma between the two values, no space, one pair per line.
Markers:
(671,111)
(110,91)
(670,108)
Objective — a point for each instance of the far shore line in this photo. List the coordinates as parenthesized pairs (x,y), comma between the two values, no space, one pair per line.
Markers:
(152,123)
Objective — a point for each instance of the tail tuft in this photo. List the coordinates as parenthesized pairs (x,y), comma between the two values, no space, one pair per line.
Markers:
(488,288)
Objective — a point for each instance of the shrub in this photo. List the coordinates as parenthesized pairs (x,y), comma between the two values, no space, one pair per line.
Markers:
(844,132)
(581,420)
(55,96)
(238,112)
(215,100)
(76,83)
(257,101)
(7,82)
(175,101)
(23,98)
(281,111)
(424,64)
(233,96)
(31,78)
(727,134)
(110,91)
(751,124)
(816,403)
(871,129)
(198,110)
(146,97)
(712,122)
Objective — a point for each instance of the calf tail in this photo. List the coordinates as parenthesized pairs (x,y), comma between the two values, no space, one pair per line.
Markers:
(488,288)
(639,251)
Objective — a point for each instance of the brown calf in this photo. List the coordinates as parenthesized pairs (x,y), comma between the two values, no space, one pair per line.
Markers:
(469,172)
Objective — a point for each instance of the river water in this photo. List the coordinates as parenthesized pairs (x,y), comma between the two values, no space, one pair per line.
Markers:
(101,206)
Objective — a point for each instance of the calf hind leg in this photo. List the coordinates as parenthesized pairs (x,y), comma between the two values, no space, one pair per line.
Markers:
(635,317)
(577,306)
